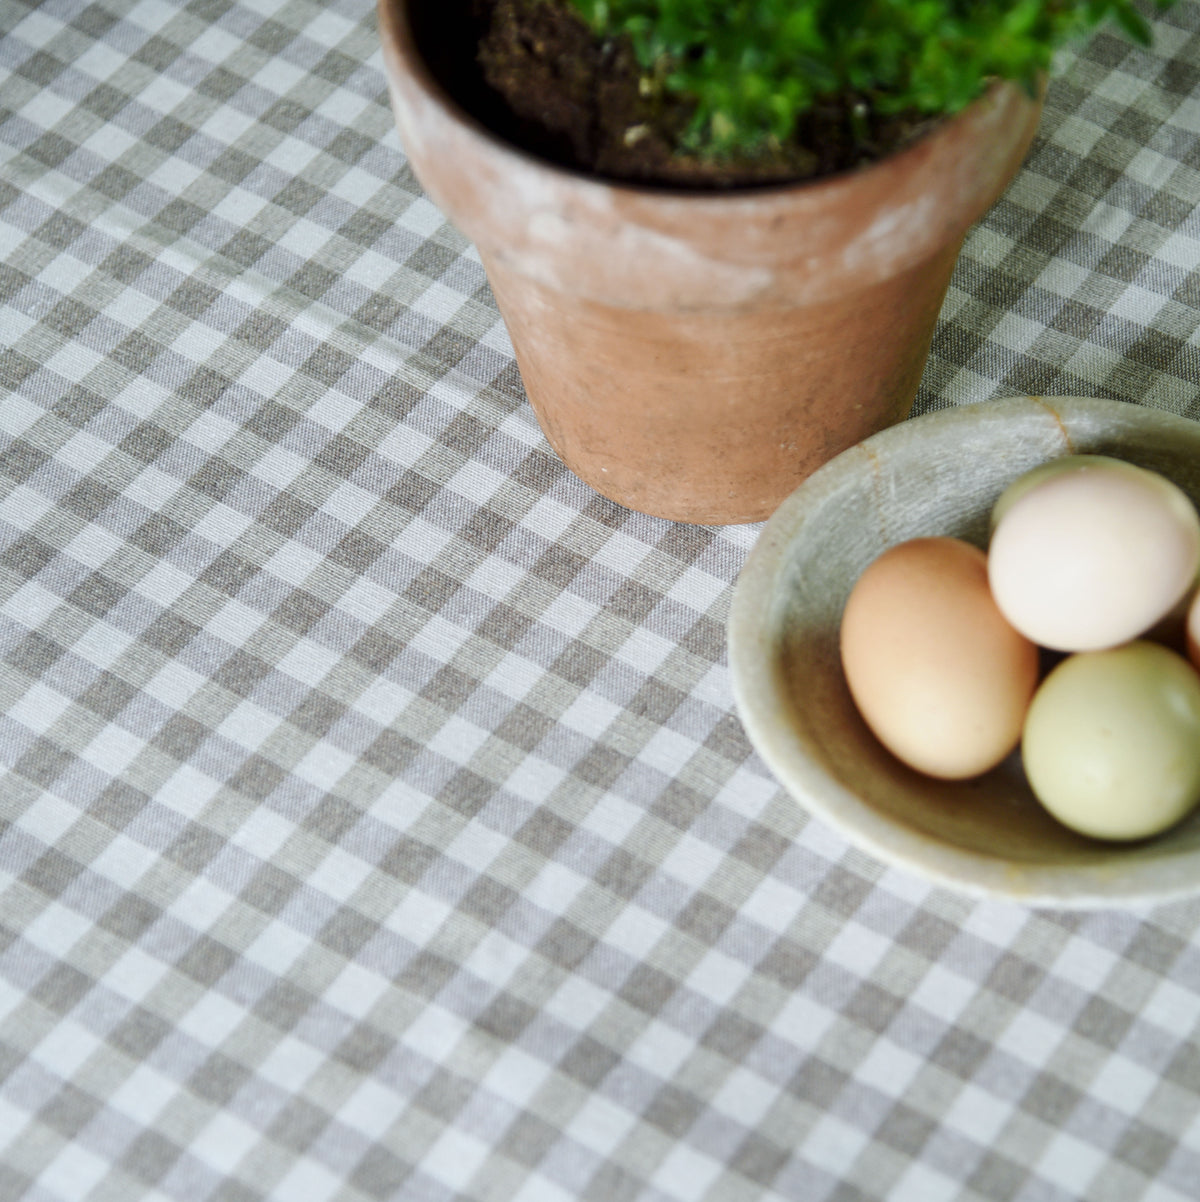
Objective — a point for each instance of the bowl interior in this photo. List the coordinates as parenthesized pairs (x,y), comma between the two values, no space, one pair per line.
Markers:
(937,475)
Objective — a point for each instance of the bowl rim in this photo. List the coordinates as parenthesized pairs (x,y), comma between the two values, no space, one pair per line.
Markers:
(759,699)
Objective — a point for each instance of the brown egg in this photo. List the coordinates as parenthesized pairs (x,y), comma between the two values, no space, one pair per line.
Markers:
(935,669)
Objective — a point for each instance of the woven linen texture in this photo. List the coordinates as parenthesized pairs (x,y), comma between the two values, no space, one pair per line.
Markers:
(374,821)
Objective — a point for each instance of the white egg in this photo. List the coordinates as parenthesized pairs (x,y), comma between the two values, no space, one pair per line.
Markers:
(1093,555)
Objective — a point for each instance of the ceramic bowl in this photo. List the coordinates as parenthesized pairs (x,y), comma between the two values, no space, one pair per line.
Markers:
(934,475)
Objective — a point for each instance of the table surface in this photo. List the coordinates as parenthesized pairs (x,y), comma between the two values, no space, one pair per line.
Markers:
(376,820)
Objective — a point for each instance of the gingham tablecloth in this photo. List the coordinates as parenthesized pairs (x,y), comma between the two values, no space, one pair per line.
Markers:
(376,821)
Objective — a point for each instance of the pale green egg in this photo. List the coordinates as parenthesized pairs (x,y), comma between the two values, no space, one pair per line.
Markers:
(1111,743)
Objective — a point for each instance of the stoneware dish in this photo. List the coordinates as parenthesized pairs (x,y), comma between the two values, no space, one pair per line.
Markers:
(934,475)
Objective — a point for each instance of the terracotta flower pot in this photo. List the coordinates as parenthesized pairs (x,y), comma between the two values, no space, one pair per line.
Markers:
(697,355)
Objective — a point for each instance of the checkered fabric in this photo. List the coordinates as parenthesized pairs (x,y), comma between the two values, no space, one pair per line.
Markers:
(374,820)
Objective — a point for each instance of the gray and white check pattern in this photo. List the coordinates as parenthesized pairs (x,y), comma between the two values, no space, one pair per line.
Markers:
(374,820)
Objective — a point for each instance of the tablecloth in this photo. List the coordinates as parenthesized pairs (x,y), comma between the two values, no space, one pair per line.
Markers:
(377,823)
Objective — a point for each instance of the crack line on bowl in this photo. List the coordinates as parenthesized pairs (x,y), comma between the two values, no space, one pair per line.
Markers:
(1037,400)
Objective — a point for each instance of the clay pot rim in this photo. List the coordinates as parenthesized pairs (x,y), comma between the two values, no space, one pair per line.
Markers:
(397,38)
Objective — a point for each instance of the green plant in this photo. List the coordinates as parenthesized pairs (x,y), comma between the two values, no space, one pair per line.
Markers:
(751,68)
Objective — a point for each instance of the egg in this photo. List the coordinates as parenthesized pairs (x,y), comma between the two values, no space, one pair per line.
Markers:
(1092,554)
(1171,629)
(1111,745)
(1044,471)
(938,674)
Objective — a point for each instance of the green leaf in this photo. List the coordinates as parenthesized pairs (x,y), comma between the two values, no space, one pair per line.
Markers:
(1134,24)
(751,68)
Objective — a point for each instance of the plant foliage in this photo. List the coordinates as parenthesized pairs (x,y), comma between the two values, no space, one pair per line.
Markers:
(750,68)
